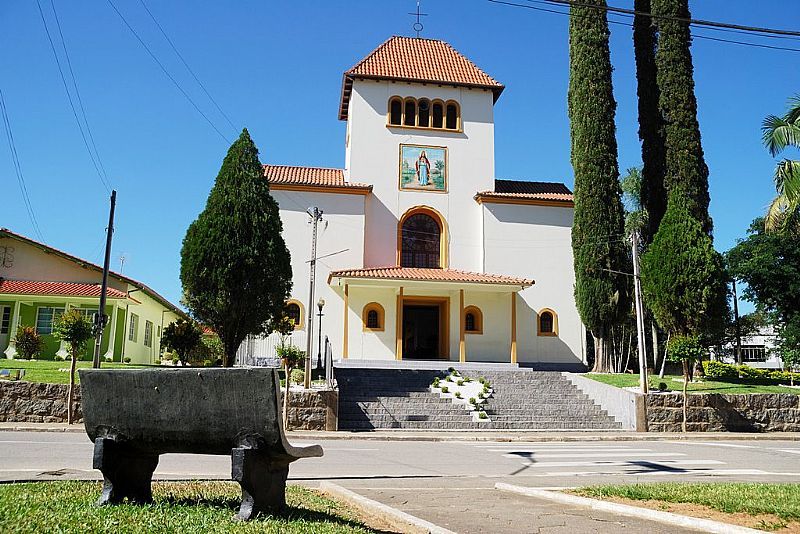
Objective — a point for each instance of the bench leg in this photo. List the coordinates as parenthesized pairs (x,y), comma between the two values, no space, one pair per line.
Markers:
(263,482)
(126,474)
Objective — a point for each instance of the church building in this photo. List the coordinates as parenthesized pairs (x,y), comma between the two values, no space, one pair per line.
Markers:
(423,253)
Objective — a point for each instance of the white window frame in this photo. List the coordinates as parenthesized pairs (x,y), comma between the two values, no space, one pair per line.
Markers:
(133,328)
(55,311)
(148,333)
(5,320)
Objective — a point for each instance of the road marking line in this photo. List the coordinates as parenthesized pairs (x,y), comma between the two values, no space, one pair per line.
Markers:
(623,463)
(710,444)
(554,446)
(348,449)
(81,443)
(792,451)
(582,449)
(682,472)
(601,455)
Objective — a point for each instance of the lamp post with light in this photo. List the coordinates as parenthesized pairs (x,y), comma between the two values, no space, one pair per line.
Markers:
(320,305)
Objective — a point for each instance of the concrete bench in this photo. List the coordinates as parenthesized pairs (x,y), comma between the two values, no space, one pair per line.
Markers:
(133,416)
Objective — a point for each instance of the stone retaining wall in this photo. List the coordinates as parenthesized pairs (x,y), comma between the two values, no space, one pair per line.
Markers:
(28,402)
(714,412)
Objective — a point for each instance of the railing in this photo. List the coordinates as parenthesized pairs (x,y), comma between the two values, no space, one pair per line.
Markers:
(261,351)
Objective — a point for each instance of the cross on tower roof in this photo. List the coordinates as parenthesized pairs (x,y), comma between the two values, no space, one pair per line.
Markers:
(418,27)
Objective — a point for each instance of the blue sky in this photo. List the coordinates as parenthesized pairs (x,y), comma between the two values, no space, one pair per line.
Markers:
(276,67)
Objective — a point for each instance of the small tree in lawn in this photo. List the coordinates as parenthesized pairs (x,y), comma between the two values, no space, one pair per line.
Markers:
(75,329)
(235,267)
(291,358)
(182,337)
(28,342)
(687,350)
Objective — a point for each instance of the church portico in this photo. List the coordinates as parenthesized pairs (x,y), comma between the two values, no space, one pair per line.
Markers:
(416,314)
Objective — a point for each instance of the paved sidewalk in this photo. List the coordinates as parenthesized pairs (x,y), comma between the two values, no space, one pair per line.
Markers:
(472,435)
(486,510)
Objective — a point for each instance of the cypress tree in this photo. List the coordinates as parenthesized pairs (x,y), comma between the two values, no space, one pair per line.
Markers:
(685,166)
(651,129)
(683,277)
(600,295)
(235,267)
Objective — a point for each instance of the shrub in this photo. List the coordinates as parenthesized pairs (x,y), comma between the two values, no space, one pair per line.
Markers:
(726,371)
(181,337)
(467,380)
(445,389)
(298,376)
(482,380)
(482,415)
(28,342)
(126,359)
(436,382)
(460,383)
(458,394)
(720,370)
(448,379)
(451,370)
(662,386)
(207,363)
(472,400)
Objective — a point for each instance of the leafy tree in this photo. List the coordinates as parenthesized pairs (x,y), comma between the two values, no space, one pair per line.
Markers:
(182,337)
(28,342)
(685,166)
(635,212)
(687,350)
(683,277)
(780,133)
(235,267)
(651,123)
(75,329)
(600,294)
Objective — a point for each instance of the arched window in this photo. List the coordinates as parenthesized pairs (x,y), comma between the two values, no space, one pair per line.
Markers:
(473,320)
(373,317)
(548,323)
(294,311)
(437,114)
(410,112)
(452,119)
(424,110)
(396,111)
(420,241)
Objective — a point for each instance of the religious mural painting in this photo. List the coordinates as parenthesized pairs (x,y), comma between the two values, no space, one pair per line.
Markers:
(423,168)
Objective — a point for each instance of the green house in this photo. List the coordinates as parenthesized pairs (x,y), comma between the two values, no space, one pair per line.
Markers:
(39,282)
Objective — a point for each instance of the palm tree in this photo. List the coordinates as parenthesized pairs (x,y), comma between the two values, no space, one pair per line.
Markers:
(780,133)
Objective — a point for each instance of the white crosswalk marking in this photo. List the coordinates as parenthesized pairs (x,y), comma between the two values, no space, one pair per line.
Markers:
(608,463)
(598,454)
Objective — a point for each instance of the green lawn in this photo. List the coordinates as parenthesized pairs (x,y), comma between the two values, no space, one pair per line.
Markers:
(699,386)
(779,500)
(68,506)
(48,371)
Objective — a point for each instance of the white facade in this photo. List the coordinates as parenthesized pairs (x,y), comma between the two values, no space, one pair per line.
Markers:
(521,236)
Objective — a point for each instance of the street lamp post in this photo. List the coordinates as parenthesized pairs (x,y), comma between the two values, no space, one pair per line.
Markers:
(320,305)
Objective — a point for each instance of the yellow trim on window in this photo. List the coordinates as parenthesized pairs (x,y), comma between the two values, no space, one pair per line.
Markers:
(373,306)
(476,312)
(539,332)
(416,124)
(302,313)
(444,234)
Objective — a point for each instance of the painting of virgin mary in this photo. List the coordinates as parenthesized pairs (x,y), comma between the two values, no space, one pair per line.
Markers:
(423,168)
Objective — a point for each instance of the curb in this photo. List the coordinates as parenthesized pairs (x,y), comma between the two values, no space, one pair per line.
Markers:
(705,525)
(394,517)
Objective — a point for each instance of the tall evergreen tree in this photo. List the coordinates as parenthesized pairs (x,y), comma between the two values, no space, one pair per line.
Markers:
(651,125)
(598,226)
(685,166)
(235,267)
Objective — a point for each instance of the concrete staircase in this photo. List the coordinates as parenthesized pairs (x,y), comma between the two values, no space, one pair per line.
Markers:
(523,399)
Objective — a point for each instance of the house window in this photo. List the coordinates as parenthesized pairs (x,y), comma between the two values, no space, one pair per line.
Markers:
(148,334)
(88,313)
(294,311)
(410,116)
(473,320)
(548,323)
(754,353)
(5,320)
(420,242)
(45,318)
(396,111)
(424,113)
(452,119)
(372,317)
(133,328)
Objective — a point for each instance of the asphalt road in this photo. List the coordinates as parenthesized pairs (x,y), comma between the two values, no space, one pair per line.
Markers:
(440,481)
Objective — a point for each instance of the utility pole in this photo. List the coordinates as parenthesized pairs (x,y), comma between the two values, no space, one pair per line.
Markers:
(639,313)
(100,319)
(316,216)
(737,325)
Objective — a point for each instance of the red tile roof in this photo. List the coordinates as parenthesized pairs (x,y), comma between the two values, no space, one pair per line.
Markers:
(62,289)
(417,60)
(510,190)
(430,275)
(285,175)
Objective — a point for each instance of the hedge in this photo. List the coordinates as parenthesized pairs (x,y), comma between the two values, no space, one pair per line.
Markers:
(725,371)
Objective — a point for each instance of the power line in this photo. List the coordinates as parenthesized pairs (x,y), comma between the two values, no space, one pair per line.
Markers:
(18,168)
(78,93)
(69,97)
(185,64)
(629,24)
(166,72)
